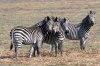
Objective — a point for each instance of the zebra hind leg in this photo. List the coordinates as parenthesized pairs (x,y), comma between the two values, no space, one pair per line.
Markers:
(16,51)
(17,47)
(31,51)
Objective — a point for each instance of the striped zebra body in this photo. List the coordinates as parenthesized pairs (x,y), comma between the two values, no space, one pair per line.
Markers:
(26,35)
(76,32)
(73,32)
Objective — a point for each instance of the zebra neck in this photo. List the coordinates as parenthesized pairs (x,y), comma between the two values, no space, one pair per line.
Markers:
(85,24)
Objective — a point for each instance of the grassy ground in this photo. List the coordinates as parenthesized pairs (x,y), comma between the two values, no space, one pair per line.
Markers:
(29,12)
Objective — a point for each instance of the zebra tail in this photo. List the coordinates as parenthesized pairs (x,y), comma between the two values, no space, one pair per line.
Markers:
(11,46)
(11,34)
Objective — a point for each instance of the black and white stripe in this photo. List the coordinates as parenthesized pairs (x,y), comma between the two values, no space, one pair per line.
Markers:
(30,36)
(54,38)
(58,38)
(26,35)
(79,31)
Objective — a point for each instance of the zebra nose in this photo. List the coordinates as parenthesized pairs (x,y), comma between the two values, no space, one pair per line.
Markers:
(54,31)
(92,24)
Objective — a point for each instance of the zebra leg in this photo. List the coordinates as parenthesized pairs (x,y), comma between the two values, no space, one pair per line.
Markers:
(60,47)
(36,49)
(38,53)
(16,51)
(82,43)
(51,48)
(56,50)
(31,51)
(39,46)
(17,46)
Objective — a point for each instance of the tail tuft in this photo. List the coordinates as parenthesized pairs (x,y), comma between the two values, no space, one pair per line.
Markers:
(11,46)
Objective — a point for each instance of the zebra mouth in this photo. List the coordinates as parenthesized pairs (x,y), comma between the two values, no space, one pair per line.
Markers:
(92,24)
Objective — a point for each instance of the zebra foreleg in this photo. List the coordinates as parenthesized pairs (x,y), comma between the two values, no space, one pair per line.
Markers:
(36,48)
(51,48)
(56,50)
(82,43)
(38,52)
(60,47)
(39,47)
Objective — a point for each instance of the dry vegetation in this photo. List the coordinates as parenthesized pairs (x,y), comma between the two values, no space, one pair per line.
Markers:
(29,12)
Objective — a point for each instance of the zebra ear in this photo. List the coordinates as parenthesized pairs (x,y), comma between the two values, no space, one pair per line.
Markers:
(47,18)
(56,19)
(92,12)
(64,20)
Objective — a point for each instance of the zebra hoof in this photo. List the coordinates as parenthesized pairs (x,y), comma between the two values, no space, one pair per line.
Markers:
(30,56)
(61,55)
(55,55)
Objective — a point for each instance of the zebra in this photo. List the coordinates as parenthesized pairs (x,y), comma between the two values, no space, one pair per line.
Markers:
(54,38)
(29,36)
(79,31)
(58,37)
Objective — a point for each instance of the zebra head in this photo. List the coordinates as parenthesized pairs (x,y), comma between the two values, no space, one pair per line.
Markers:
(56,25)
(64,24)
(91,18)
(88,21)
(48,23)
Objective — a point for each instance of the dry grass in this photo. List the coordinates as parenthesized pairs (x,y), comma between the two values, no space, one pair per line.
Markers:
(70,58)
(29,12)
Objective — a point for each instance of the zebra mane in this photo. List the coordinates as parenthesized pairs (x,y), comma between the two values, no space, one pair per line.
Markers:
(42,26)
(85,21)
(41,23)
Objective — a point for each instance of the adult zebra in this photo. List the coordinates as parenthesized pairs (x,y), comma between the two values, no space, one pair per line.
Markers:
(79,31)
(54,38)
(30,36)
